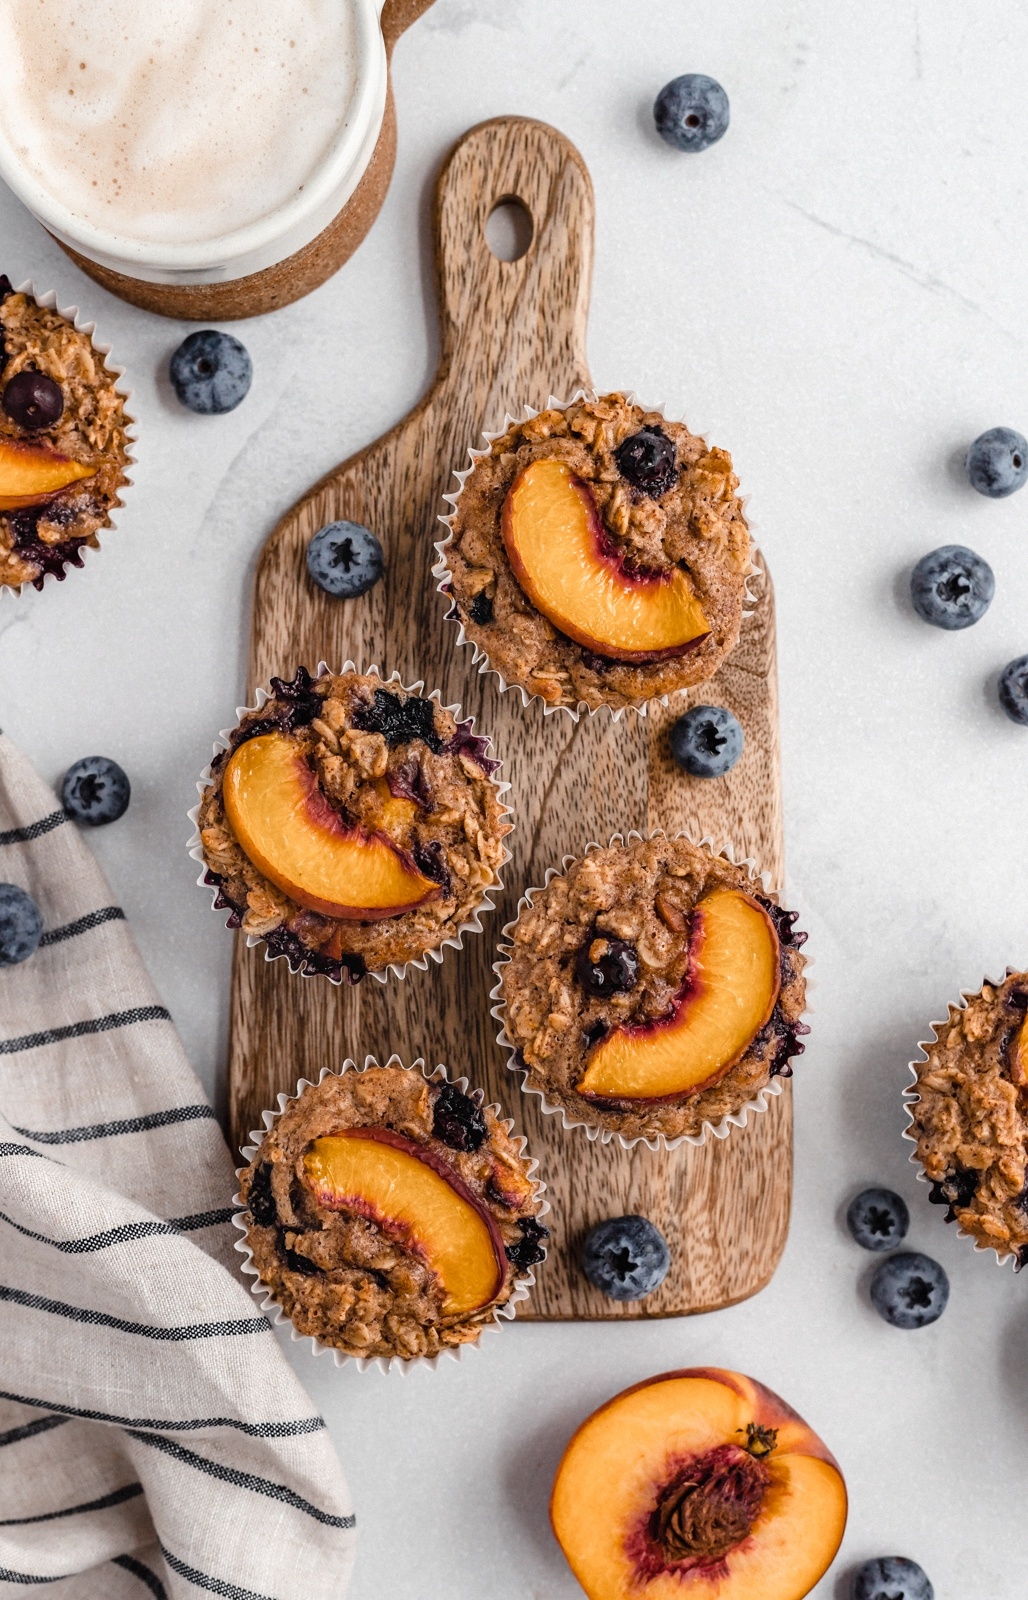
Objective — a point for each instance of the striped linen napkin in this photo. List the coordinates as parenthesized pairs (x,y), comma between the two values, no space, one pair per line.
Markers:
(152,1435)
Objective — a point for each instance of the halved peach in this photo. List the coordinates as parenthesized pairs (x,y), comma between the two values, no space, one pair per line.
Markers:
(289,831)
(1020,1072)
(33,473)
(573,573)
(728,995)
(418,1199)
(699,1483)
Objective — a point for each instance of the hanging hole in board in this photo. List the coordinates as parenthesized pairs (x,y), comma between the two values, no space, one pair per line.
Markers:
(508,229)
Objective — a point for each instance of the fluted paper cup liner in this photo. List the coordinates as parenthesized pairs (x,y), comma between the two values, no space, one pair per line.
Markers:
(81,325)
(523,1283)
(1003,1252)
(657,1141)
(297,965)
(441,570)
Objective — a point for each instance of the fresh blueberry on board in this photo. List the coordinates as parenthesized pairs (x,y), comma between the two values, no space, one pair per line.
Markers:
(345,559)
(952,587)
(892,1578)
(32,400)
(691,112)
(878,1219)
(626,1258)
(997,462)
(707,741)
(909,1290)
(1013,690)
(21,926)
(211,372)
(95,790)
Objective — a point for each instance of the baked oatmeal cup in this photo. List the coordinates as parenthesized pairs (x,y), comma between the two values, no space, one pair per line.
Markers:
(651,990)
(351,824)
(64,437)
(597,555)
(390,1213)
(968,1110)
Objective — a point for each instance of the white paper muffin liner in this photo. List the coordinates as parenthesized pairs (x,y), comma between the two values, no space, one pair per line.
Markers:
(73,315)
(441,569)
(523,1283)
(911,1098)
(658,1141)
(454,940)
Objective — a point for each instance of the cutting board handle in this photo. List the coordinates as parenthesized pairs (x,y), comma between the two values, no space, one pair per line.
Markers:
(397,16)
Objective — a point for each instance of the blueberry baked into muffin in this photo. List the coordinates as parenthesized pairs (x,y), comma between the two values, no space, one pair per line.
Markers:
(598,555)
(63,442)
(969,1120)
(652,988)
(351,824)
(390,1214)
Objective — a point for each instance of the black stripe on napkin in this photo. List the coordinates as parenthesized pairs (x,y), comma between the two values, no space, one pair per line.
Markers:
(92,919)
(144,1574)
(241,1480)
(100,1319)
(228,1591)
(35,830)
(7,1576)
(125,1233)
(28,1430)
(256,1430)
(77,1030)
(115,1498)
(203,1219)
(108,1130)
(8,1149)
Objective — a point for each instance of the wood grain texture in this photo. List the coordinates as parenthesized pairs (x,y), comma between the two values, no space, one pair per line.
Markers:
(513,332)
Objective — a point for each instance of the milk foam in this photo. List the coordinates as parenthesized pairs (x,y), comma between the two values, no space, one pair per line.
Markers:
(174,121)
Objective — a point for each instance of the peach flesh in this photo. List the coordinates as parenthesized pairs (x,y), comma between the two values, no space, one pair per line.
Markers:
(699,1484)
(289,831)
(31,474)
(1021,1055)
(418,1199)
(729,993)
(572,572)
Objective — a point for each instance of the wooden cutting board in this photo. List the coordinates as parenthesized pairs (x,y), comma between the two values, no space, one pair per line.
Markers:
(514,332)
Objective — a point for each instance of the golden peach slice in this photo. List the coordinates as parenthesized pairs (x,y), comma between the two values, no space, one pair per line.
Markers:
(729,994)
(32,473)
(417,1198)
(572,572)
(292,834)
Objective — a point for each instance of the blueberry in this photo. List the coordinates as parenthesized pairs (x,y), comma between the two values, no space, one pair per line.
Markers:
(878,1219)
(909,1290)
(1013,690)
(707,741)
(997,462)
(691,112)
(613,971)
(20,925)
(260,1199)
(647,460)
(527,1250)
(457,1121)
(952,587)
(95,790)
(400,719)
(210,372)
(345,559)
(33,400)
(625,1257)
(892,1578)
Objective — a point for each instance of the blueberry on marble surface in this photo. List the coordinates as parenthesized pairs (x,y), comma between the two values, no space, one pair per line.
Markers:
(95,791)
(892,1578)
(32,400)
(1013,690)
(909,1290)
(211,372)
(345,559)
(878,1219)
(997,462)
(21,926)
(952,587)
(691,112)
(626,1258)
(707,741)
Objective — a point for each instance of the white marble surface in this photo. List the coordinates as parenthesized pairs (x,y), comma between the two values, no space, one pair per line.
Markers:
(837,293)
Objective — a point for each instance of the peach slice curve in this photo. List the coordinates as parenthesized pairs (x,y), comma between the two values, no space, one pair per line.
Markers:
(32,473)
(1021,1055)
(572,572)
(418,1198)
(289,831)
(728,995)
(611,1477)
